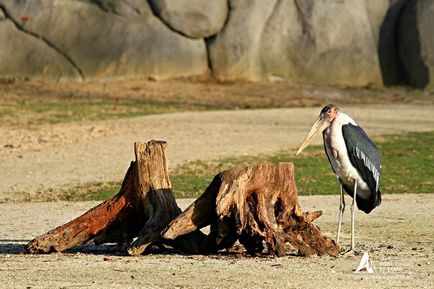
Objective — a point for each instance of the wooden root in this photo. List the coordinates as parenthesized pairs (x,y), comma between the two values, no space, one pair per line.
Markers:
(254,205)
(143,207)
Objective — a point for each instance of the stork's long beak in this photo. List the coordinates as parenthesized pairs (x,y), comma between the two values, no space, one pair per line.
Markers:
(319,125)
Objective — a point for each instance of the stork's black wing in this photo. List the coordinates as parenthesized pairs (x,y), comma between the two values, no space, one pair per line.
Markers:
(364,157)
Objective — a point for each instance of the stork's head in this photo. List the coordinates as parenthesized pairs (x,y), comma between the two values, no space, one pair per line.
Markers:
(326,117)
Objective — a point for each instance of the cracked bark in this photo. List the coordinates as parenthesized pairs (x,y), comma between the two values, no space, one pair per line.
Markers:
(143,207)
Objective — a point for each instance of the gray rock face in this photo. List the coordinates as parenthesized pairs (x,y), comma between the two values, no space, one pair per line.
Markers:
(377,10)
(303,40)
(27,55)
(416,43)
(334,42)
(194,18)
(391,67)
(102,45)
(129,8)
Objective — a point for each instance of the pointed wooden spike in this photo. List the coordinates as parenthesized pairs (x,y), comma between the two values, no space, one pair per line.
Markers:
(312,216)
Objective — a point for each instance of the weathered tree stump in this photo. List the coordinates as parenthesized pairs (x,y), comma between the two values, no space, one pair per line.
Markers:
(256,205)
(143,207)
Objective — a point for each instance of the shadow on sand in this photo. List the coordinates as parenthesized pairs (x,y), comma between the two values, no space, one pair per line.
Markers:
(18,247)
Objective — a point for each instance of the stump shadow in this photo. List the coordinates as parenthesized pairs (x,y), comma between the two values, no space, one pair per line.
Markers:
(18,247)
(12,246)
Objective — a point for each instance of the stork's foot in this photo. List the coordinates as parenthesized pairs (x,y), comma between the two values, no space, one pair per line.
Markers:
(351,253)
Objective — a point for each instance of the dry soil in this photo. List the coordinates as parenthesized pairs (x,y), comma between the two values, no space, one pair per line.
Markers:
(398,236)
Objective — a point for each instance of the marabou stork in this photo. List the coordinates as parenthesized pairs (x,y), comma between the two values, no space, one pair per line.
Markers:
(354,159)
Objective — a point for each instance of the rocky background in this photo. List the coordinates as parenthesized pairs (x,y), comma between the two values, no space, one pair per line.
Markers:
(333,42)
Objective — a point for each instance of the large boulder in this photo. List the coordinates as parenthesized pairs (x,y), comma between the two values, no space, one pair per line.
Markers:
(416,43)
(329,42)
(193,18)
(29,56)
(129,8)
(391,67)
(102,43)
(335,42)
(377,11)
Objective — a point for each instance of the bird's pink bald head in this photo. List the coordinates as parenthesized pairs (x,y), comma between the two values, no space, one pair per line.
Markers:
(329,112)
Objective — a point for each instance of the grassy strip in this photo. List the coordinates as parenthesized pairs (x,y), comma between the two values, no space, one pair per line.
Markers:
(66,111)
(407,168)
(25,103)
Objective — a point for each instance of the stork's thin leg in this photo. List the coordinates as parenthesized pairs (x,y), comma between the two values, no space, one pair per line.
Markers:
(353,210)
(341,213)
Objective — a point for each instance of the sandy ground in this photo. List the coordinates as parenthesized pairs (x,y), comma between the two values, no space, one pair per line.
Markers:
(397,235)
(46,157)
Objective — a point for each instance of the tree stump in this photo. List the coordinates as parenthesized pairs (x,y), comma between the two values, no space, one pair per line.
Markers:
(143,207)
(256,205)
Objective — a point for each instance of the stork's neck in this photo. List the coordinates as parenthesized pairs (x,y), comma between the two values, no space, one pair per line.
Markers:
(342,119)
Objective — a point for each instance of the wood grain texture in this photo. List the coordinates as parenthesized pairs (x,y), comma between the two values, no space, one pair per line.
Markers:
(143,207)
(257,205)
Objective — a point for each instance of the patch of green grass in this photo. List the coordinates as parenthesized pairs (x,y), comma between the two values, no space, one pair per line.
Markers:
(408,163)
(407,168)
(93,191)
(83,110)
(313,173)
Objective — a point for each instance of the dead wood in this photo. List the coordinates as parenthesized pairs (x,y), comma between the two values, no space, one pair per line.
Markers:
(256,205)
(143,207)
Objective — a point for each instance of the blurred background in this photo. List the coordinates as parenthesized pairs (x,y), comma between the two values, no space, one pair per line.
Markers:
(336,42)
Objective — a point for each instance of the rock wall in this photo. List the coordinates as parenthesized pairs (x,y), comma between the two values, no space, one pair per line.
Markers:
(329,42)
(192,18)
(99,40)
(334,42)
(416,43)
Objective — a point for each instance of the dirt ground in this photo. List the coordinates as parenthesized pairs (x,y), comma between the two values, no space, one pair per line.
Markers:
(34,160)
(397,235)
